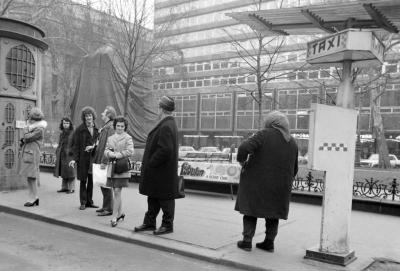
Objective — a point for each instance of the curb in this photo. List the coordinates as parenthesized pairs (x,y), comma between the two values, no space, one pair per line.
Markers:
(182,252)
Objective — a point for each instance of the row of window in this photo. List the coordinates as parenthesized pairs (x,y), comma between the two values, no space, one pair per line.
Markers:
(221,65)
(215,110)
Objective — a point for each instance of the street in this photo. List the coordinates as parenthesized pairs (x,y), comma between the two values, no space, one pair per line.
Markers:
(31,245)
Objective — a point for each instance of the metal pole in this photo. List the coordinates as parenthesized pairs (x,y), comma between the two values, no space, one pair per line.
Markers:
(345,96)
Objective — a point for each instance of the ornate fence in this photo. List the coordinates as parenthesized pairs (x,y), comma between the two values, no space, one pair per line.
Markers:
(369,188)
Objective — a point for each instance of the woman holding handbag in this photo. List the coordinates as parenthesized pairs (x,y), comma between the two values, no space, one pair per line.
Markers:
(118,149)
(31,143)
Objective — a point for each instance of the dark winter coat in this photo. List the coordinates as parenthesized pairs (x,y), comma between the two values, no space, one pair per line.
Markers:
(159,169)
(266,179)
(30,153)
(105,133)
(63,156)
(81,139)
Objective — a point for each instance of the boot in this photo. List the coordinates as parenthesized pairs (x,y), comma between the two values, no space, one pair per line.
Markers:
(267,245)
(245,245)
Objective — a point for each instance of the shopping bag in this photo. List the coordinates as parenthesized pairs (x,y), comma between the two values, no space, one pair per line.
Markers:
(99,175)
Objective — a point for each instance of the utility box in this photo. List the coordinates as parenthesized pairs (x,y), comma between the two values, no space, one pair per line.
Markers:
(21,52)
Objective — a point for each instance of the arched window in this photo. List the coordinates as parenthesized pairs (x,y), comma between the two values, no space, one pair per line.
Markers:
(9,158)
(10,113)
(9,140)
(20,67)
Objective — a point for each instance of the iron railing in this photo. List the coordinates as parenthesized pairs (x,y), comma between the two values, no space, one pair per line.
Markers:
(367,188)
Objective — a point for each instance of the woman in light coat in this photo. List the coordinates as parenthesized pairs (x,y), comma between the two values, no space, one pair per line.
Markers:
(119,145)
(31,143)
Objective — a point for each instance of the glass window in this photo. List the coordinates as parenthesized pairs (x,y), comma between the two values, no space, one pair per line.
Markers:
(10,113)
(302,121)
(199,67)
(176,84)
(216,66)
(9,136)
(207,66)
(390,98)
(192,68)
(169,85)
(224,65)
(244,122)
(251,79)
(199,83)
(184,84)
(9,158)
(244,102)
(20,67)
(191,84)
(224,104)
(207,83)
(313,74)
(391,121)
(208,104)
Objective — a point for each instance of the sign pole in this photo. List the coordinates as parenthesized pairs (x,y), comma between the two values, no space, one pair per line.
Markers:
(345,96)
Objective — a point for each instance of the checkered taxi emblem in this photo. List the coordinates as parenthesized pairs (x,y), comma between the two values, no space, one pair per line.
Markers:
(333,147)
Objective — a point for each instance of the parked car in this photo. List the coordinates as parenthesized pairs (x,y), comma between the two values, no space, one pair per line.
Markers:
(302,160)
(183,150)
(209,149)
(373,161)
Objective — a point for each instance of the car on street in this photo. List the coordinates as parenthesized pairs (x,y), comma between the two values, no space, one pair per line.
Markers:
(183,150)
(209,149)
(373,161)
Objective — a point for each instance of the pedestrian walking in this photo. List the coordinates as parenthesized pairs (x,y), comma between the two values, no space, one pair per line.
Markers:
(31,143)
(119,148)
(83,143)
(106,131)
(63,157)
(269,164)
(159,171)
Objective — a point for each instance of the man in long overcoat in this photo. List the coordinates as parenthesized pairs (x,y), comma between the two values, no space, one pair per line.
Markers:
(159,171)
(84,139)
(269,164)
(106,131)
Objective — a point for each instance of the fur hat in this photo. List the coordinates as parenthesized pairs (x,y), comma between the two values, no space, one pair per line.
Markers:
(35,114)
(167,103)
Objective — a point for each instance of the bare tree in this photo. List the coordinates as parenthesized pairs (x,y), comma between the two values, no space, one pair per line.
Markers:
(260,55)
(135,45)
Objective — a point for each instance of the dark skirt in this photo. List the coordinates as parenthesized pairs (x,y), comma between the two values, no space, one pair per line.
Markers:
(117,182)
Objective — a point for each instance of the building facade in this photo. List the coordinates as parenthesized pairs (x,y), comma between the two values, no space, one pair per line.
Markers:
(208,78)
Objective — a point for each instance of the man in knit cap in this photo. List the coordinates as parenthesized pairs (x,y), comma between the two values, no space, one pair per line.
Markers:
(159,171)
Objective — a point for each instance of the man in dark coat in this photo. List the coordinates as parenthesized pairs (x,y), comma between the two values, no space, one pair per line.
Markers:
(269,164)
(106,131)
(83,143)
(159,171)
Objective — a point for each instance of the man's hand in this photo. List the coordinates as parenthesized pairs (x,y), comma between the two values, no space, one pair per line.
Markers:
(72,163)
(103,166)
(89,148)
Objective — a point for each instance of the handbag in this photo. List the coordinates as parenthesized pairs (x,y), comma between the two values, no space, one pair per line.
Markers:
(181,187)
(121,165)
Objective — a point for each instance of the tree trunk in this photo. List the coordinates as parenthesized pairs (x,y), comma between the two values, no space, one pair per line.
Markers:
(377,128)
(126,101)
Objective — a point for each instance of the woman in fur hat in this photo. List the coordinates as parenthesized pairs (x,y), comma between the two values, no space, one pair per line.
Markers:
(30,154)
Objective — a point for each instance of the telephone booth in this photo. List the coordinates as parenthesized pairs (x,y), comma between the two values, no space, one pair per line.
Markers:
(21,52)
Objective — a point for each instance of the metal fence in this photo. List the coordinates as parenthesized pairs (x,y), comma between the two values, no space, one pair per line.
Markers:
(368,188)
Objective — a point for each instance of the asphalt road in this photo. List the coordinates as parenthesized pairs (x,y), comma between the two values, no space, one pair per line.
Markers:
(30,245)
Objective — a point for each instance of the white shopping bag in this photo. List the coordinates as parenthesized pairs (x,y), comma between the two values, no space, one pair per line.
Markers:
(99,175)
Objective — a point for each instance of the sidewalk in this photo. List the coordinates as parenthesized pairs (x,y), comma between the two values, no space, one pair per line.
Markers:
(206,227)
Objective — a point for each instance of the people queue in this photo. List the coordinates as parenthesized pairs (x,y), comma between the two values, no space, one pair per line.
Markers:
(268,159)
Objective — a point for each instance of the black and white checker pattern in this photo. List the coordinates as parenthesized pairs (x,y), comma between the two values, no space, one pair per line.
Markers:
(333,147)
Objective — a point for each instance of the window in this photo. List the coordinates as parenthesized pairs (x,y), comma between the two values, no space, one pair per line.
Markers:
(184,84)
(199,67)
(20,67)
(176,84)
(207,67)
(9,139)
(224,65)
(9,158)
(10,113)
(192,68)
(216,66)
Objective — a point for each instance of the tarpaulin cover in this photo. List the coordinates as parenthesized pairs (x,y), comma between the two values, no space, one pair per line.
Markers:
(99,85)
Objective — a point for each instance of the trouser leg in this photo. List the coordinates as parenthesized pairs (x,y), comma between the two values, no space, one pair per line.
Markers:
(168,208)
(89,189)
(71,184)
(64,184)
(82,192)
(249,227)
(271,228)
(107,199)
(153,208)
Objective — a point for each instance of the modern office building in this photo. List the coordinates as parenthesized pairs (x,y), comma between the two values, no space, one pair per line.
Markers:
(207,77)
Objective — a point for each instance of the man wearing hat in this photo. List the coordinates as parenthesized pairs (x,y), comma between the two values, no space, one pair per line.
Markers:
(159,171)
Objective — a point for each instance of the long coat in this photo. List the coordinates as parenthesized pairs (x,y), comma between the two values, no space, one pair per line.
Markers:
(30,152)
(159,169)
(63,156)
(122,145)
(105,133)
(81,139)
(266,179)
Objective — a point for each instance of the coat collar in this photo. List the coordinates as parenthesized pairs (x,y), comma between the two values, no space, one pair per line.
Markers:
(161,122)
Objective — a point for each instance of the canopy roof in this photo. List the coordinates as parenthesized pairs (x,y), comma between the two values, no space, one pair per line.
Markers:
(326,18)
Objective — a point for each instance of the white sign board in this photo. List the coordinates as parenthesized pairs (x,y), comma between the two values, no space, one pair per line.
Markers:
(332,136)
(362,47)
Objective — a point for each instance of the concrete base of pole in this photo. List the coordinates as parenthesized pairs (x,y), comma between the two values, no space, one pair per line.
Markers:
(328,257)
